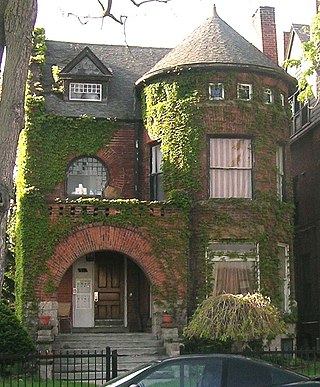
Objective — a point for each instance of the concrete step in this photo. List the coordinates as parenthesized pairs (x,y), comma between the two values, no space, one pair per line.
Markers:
(101,341)
(133,349)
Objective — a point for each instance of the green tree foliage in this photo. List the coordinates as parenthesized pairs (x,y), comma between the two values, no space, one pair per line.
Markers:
(14,339)
(236,317)
(309,61)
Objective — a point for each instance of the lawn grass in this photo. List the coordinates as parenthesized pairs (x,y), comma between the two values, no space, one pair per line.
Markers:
(29,382)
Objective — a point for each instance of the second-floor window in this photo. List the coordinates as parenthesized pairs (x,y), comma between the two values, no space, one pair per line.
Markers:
(230,168)
(156,189)
(280,172)
(86,177)
(85,91)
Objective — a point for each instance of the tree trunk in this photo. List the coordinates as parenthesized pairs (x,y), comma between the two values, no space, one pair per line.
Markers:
(17,18)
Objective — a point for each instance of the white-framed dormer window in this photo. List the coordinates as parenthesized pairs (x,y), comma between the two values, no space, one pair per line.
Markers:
(216,91)
(244,91)
(268,97)
(85,91)
(235,267)
(284,273)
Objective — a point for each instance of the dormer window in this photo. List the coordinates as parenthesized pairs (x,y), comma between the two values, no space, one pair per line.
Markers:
(86,78)
(85,91)
(244,91)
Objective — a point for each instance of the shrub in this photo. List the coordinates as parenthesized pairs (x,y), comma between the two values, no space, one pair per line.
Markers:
(235,317)
(14,338)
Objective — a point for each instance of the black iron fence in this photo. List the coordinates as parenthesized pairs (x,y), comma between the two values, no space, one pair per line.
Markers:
(81,368)
(64,368)
(303,361)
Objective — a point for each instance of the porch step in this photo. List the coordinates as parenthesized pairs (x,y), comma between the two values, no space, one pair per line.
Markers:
(133,350)
(102,329)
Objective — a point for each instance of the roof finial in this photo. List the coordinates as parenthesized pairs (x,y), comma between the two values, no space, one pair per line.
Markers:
(215,14)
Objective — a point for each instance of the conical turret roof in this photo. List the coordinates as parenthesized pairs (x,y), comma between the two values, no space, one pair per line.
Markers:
(214,43)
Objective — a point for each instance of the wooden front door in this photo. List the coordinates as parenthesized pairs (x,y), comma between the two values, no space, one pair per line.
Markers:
(109,280)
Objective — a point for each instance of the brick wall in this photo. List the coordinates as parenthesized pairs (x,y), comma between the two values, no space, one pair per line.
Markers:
(119,158)
(127,241)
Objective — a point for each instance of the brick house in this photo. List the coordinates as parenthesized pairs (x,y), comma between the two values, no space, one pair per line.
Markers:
(150,178)
(304,147)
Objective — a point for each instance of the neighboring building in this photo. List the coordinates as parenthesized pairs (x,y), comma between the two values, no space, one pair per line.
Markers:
(304,144)
(177,189)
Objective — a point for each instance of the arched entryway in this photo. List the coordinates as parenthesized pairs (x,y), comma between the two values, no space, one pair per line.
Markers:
(106,289)
(98,243)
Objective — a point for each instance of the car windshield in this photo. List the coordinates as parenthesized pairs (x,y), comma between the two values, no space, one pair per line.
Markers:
(128,375)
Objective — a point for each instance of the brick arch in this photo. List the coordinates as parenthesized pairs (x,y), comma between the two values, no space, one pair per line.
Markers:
(95,238)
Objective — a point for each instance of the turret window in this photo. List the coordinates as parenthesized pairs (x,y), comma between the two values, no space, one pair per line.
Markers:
(216,91)
(156,190)
(230,168)
(244,91)
(280,172)
(268,97)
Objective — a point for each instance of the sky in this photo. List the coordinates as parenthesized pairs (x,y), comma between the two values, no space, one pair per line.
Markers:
(159,24)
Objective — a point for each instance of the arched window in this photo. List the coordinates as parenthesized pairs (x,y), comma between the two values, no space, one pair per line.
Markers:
(86,176)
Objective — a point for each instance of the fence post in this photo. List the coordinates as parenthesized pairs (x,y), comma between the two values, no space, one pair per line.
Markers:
(108,358)
(46,365)
(114,363)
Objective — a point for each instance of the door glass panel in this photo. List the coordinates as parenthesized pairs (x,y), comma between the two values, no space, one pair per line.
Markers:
(83,296)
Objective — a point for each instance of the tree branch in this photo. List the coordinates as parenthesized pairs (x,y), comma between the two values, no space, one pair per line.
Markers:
(148,1)
(106,11)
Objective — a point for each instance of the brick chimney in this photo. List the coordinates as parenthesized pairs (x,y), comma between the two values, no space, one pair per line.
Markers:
(265,25)
(286,36)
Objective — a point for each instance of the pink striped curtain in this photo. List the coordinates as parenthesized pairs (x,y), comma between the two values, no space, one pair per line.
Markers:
(230,168)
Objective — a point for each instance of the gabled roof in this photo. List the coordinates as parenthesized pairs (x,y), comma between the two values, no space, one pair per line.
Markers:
(86,63)
(214,43)
(302,32)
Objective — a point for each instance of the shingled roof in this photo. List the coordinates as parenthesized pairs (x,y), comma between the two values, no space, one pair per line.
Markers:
(303,32)
(127,64)
(214,43)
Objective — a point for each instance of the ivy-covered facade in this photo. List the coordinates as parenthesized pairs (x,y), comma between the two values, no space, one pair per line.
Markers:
(149,179)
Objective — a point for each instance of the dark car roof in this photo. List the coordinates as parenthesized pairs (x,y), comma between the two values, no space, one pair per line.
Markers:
(157,363)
